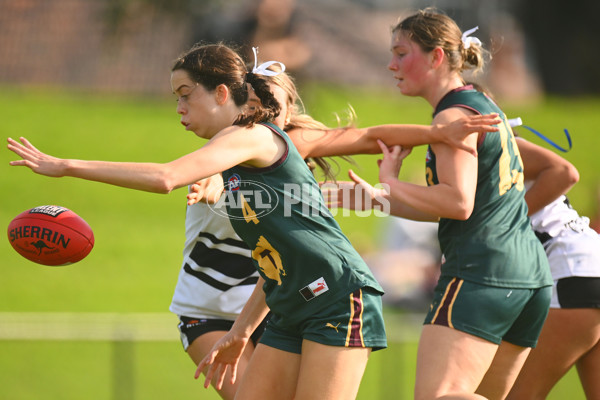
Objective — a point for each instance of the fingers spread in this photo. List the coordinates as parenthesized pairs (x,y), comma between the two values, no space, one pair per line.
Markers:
(404,153)
(396,151)
(234,373)
(208,360)
(383,147)
(209,375)
(357,179)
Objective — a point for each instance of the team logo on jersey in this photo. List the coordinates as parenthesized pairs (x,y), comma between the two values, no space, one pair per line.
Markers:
(245,200)
(428,156)
(314,289)
(269,260)
(233,183)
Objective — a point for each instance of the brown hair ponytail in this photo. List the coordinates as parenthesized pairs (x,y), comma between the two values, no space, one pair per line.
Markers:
(269,108)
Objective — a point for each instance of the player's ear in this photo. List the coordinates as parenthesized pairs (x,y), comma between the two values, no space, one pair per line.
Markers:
(221,94)
(288,116)
(437,56)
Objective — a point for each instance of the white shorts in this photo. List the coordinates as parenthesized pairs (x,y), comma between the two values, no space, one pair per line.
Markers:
(574,259)
(574,253)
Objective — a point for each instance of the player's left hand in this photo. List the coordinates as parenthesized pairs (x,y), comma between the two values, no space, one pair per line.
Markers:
(39,162)
(455,132)
(389,167)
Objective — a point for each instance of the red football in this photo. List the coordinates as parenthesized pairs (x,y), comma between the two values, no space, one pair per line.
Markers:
(51,235)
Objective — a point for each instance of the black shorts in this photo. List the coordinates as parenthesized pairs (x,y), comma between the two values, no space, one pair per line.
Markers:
(578,292)
(192,328)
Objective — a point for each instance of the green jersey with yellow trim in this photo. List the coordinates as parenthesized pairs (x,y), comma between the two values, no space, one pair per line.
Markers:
(495,245)
(297,245)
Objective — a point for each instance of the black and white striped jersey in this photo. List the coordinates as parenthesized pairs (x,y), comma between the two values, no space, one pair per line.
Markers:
(217,274)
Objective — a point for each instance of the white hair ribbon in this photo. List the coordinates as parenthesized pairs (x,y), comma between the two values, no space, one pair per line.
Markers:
(262,68)
(467,40)
(514,122)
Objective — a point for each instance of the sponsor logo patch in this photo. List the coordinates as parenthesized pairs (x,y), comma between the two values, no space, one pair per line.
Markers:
(314,289)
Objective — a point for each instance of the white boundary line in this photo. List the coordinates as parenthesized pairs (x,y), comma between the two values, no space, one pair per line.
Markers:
(88,326)
(140,327)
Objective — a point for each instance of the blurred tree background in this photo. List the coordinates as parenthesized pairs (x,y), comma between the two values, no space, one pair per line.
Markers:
(538,47)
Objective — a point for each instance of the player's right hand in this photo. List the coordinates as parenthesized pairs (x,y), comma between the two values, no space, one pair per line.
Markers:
(207,190)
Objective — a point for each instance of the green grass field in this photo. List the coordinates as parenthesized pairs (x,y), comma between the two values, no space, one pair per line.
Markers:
(139,236)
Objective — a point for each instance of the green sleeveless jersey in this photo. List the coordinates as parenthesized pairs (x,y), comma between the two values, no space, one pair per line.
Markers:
(495,245)
(297,245)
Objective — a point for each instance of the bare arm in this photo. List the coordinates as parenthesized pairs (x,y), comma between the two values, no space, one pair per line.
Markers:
(227,351)
(551,174)
(256,147)
(454,196)
(348,141)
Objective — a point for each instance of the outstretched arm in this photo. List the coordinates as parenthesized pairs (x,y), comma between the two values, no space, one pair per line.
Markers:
(257,148)
(551,174)
(348,141)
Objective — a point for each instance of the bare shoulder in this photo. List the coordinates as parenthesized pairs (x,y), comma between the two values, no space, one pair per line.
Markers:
(244,134)
(256,146)
(452,114)
(448,116)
